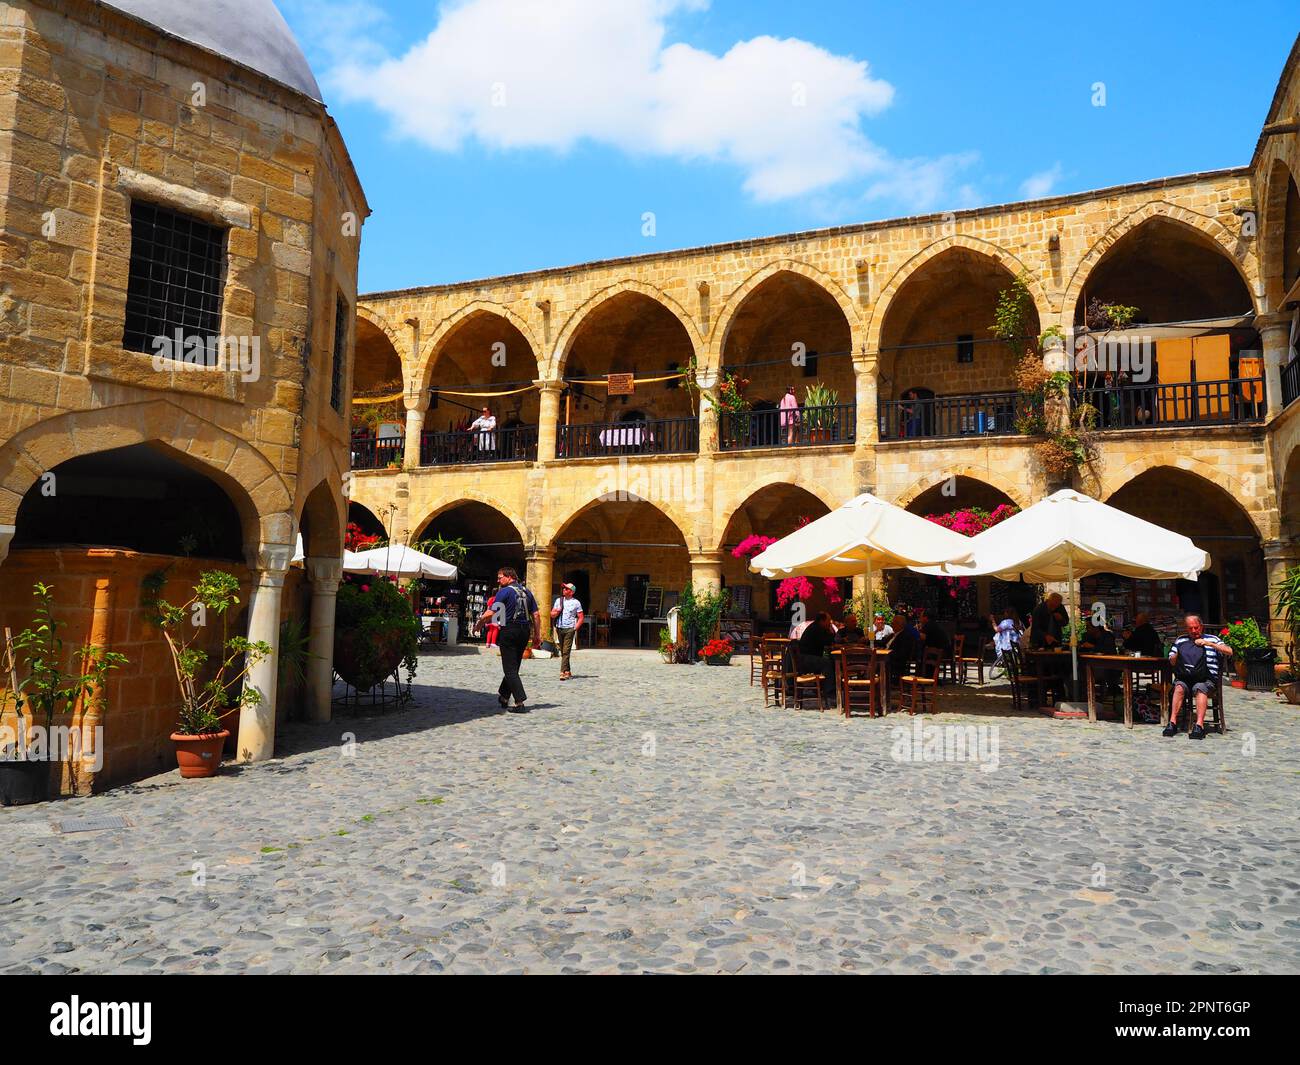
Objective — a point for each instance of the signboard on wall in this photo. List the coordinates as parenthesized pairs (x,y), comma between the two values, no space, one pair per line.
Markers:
(620,384)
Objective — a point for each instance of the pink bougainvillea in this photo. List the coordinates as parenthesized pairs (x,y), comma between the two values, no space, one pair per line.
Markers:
(752,545)
(791,589)
(969,521)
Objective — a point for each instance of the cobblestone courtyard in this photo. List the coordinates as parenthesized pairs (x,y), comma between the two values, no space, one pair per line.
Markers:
(654,818)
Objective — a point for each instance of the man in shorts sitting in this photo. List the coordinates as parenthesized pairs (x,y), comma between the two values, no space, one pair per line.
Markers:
(1197,661)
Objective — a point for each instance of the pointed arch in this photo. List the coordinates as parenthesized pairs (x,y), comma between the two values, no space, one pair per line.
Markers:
(1235,249)
(997,254)
(558,357)
(422,372)
(1263,522)
(253,484)
(469,495)
(926,482)
(815,488)
(685,528)
(1279,191)
(380,321)
(727,314)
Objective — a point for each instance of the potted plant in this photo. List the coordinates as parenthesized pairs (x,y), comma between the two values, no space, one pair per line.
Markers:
(673,651)
(1287,685)
(200,732)
(1288,605)
(45,692)
(717,652)
(819,404)
(375,631)
(698,615)
(1242,636)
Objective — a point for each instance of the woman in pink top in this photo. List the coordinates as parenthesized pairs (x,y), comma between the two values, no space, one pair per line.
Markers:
(789,416)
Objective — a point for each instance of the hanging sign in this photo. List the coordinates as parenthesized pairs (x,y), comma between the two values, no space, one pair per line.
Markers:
(620,384)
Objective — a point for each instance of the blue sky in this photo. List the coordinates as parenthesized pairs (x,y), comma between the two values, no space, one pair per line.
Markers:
(494,136)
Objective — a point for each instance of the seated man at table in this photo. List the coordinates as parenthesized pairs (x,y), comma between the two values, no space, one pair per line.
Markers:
(1097,639)
(1143,638)
(1197,663)
(814,652)
(933,633)
(880,632)
(906,646)
(1050,619)
(850,631)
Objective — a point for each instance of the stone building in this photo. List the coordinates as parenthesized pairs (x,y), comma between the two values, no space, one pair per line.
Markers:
(179,231)
(613,489)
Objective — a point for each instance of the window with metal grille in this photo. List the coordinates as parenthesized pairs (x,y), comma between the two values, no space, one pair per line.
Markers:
(175,279)
(340,346)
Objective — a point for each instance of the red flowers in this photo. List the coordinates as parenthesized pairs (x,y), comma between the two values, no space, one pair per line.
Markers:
(355,540)
(365,587)
(717,649)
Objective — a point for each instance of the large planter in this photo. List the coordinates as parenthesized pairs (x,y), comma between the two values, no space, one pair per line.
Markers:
(1291,692)
(719,661)
(199,756)
(23,782)
(348,664)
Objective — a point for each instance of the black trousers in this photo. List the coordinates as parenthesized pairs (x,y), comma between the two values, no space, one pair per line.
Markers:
(512,639)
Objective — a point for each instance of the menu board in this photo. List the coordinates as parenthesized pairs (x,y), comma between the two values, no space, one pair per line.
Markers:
(617,602)
(654,602)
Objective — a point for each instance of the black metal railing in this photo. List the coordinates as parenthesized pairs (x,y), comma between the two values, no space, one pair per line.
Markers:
(975,414)
(801,427)
(461,447)
(1290,382)
(663,436)
(375,453)
(1226,402)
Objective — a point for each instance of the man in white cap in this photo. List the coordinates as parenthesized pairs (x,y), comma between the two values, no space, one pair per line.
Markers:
(566,618)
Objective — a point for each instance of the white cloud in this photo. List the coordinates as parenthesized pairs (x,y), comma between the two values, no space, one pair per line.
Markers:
(512,74)
(1036,186)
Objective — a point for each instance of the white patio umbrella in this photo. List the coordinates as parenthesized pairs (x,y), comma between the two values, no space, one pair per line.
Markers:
(399,560)
(1068,536)
(350,563)
(862,535)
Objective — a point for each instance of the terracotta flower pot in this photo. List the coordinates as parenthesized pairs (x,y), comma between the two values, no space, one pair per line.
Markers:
(718,661)
(199,756)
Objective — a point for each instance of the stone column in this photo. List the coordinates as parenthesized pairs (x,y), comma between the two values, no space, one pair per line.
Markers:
(867,430)
(1279,556)
(706,571)
(548,419)
(417,405)
(325,574)
(1276,337)
(707,383)
(539,577)
(257,723)
(6,535)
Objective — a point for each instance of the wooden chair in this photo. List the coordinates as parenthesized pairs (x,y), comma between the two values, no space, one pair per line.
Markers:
(949,667)
(916,690)
(602,630)
(965,663)
(1213,712)
(1028,690)
(802,681)
(773,671)
(862,679)
(755,659)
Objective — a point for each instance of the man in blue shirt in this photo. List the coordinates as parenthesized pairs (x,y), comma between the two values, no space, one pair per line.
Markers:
(1197,663)
(566,617)
(515,610)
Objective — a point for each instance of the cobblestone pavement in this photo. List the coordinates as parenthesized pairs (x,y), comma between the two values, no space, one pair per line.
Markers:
(653,818)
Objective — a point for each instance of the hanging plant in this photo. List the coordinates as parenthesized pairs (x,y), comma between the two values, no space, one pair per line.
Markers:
(970,521)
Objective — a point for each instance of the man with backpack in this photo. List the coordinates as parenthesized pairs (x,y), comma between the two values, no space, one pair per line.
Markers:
(515,610)
(1197,661)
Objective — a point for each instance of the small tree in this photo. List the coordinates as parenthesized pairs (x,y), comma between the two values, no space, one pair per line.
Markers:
(202,703)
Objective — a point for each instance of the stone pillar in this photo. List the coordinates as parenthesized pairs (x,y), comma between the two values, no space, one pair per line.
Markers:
(707,383)
(257,723)
(539,577)
(1276,336)
(706,571)
(867,430)
(1279,556)
(6,535)
(417,405)
(325,574)
(548,419)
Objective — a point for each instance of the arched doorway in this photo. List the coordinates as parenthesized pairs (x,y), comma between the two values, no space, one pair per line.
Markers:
(1234,587)
(378,414)
(490,540)
(789,332)
(363,527)
(1190,354)
(627,333)
(635,562)
(943,373)
(775,510)
(962,605)
(483,353)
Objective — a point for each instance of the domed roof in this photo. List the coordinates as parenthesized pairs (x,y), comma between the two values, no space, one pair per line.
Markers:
(249,32)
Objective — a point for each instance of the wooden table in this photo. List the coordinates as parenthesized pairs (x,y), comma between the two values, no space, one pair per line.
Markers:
(1128,665)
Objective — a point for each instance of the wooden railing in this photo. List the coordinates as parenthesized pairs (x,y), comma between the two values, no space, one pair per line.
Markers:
(662,436)
(976,414)
(1226,402)
(803,427)
(372,453)
(463,447)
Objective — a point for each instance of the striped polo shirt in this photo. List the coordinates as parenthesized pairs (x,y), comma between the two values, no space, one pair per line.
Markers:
(1212,656)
